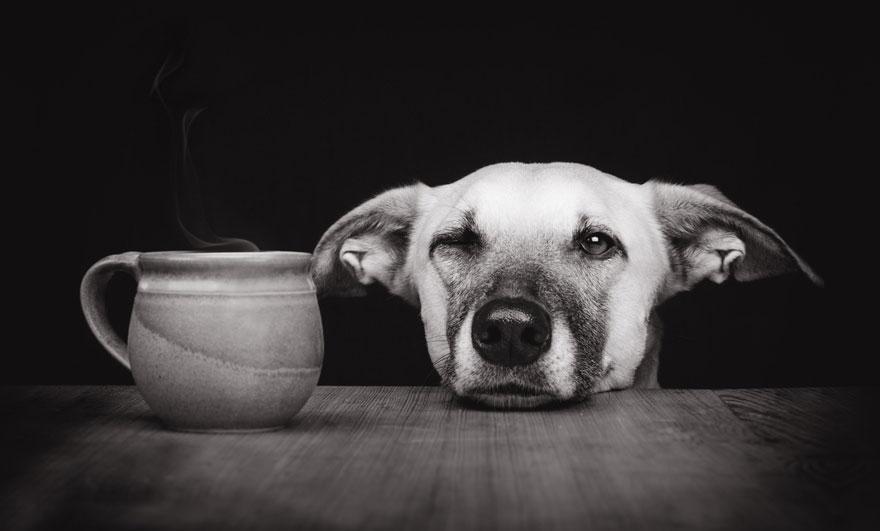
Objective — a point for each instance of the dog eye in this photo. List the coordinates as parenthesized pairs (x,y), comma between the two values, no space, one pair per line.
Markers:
(461,239)
(596,243)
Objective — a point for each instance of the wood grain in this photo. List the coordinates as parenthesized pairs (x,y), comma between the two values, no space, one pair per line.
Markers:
(413,458)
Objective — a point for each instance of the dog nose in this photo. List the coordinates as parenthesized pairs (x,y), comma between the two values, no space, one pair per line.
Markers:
(511,331)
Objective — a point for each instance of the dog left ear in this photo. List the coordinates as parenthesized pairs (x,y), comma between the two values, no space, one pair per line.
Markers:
(368,245)
(709,237)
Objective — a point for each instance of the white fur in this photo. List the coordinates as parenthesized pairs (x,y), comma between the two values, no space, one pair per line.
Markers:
(633,296)
(558,363)
(466,360)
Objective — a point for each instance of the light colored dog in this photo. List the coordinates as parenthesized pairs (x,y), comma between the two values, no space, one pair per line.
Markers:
(538,283)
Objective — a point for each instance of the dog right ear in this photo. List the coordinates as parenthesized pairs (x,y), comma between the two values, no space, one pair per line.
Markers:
(709,237)
(368,245)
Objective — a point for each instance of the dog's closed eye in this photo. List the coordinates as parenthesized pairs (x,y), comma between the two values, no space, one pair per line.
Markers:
(464,237)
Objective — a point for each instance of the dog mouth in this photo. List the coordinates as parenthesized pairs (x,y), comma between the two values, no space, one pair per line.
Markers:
(511,396)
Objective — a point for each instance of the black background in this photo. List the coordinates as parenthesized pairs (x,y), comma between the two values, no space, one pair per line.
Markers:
(306,116)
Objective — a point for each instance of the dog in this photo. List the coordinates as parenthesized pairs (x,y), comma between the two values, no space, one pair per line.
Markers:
(538,283)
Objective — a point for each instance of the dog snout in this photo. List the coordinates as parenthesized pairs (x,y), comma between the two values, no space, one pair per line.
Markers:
(511,331)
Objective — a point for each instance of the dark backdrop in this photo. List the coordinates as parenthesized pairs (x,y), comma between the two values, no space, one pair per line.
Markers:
(304,119)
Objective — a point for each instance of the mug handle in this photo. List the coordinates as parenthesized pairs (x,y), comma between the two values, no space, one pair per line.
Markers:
(91,296)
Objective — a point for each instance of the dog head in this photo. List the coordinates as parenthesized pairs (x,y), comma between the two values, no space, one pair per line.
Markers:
(536,282)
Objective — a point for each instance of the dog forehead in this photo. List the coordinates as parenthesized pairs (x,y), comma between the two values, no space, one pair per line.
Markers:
(541,197)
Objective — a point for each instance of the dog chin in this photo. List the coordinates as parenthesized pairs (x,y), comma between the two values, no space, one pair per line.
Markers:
(511,397)
(499,401)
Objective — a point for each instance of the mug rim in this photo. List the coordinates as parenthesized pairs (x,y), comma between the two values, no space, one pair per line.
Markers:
(190,256)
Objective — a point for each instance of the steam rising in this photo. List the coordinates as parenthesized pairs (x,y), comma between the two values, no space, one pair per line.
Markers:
(186,191)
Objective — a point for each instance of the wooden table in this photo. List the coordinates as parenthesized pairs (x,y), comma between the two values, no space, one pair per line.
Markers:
(414,458)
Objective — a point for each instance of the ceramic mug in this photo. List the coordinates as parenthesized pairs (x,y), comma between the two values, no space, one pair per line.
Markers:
(217,341)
